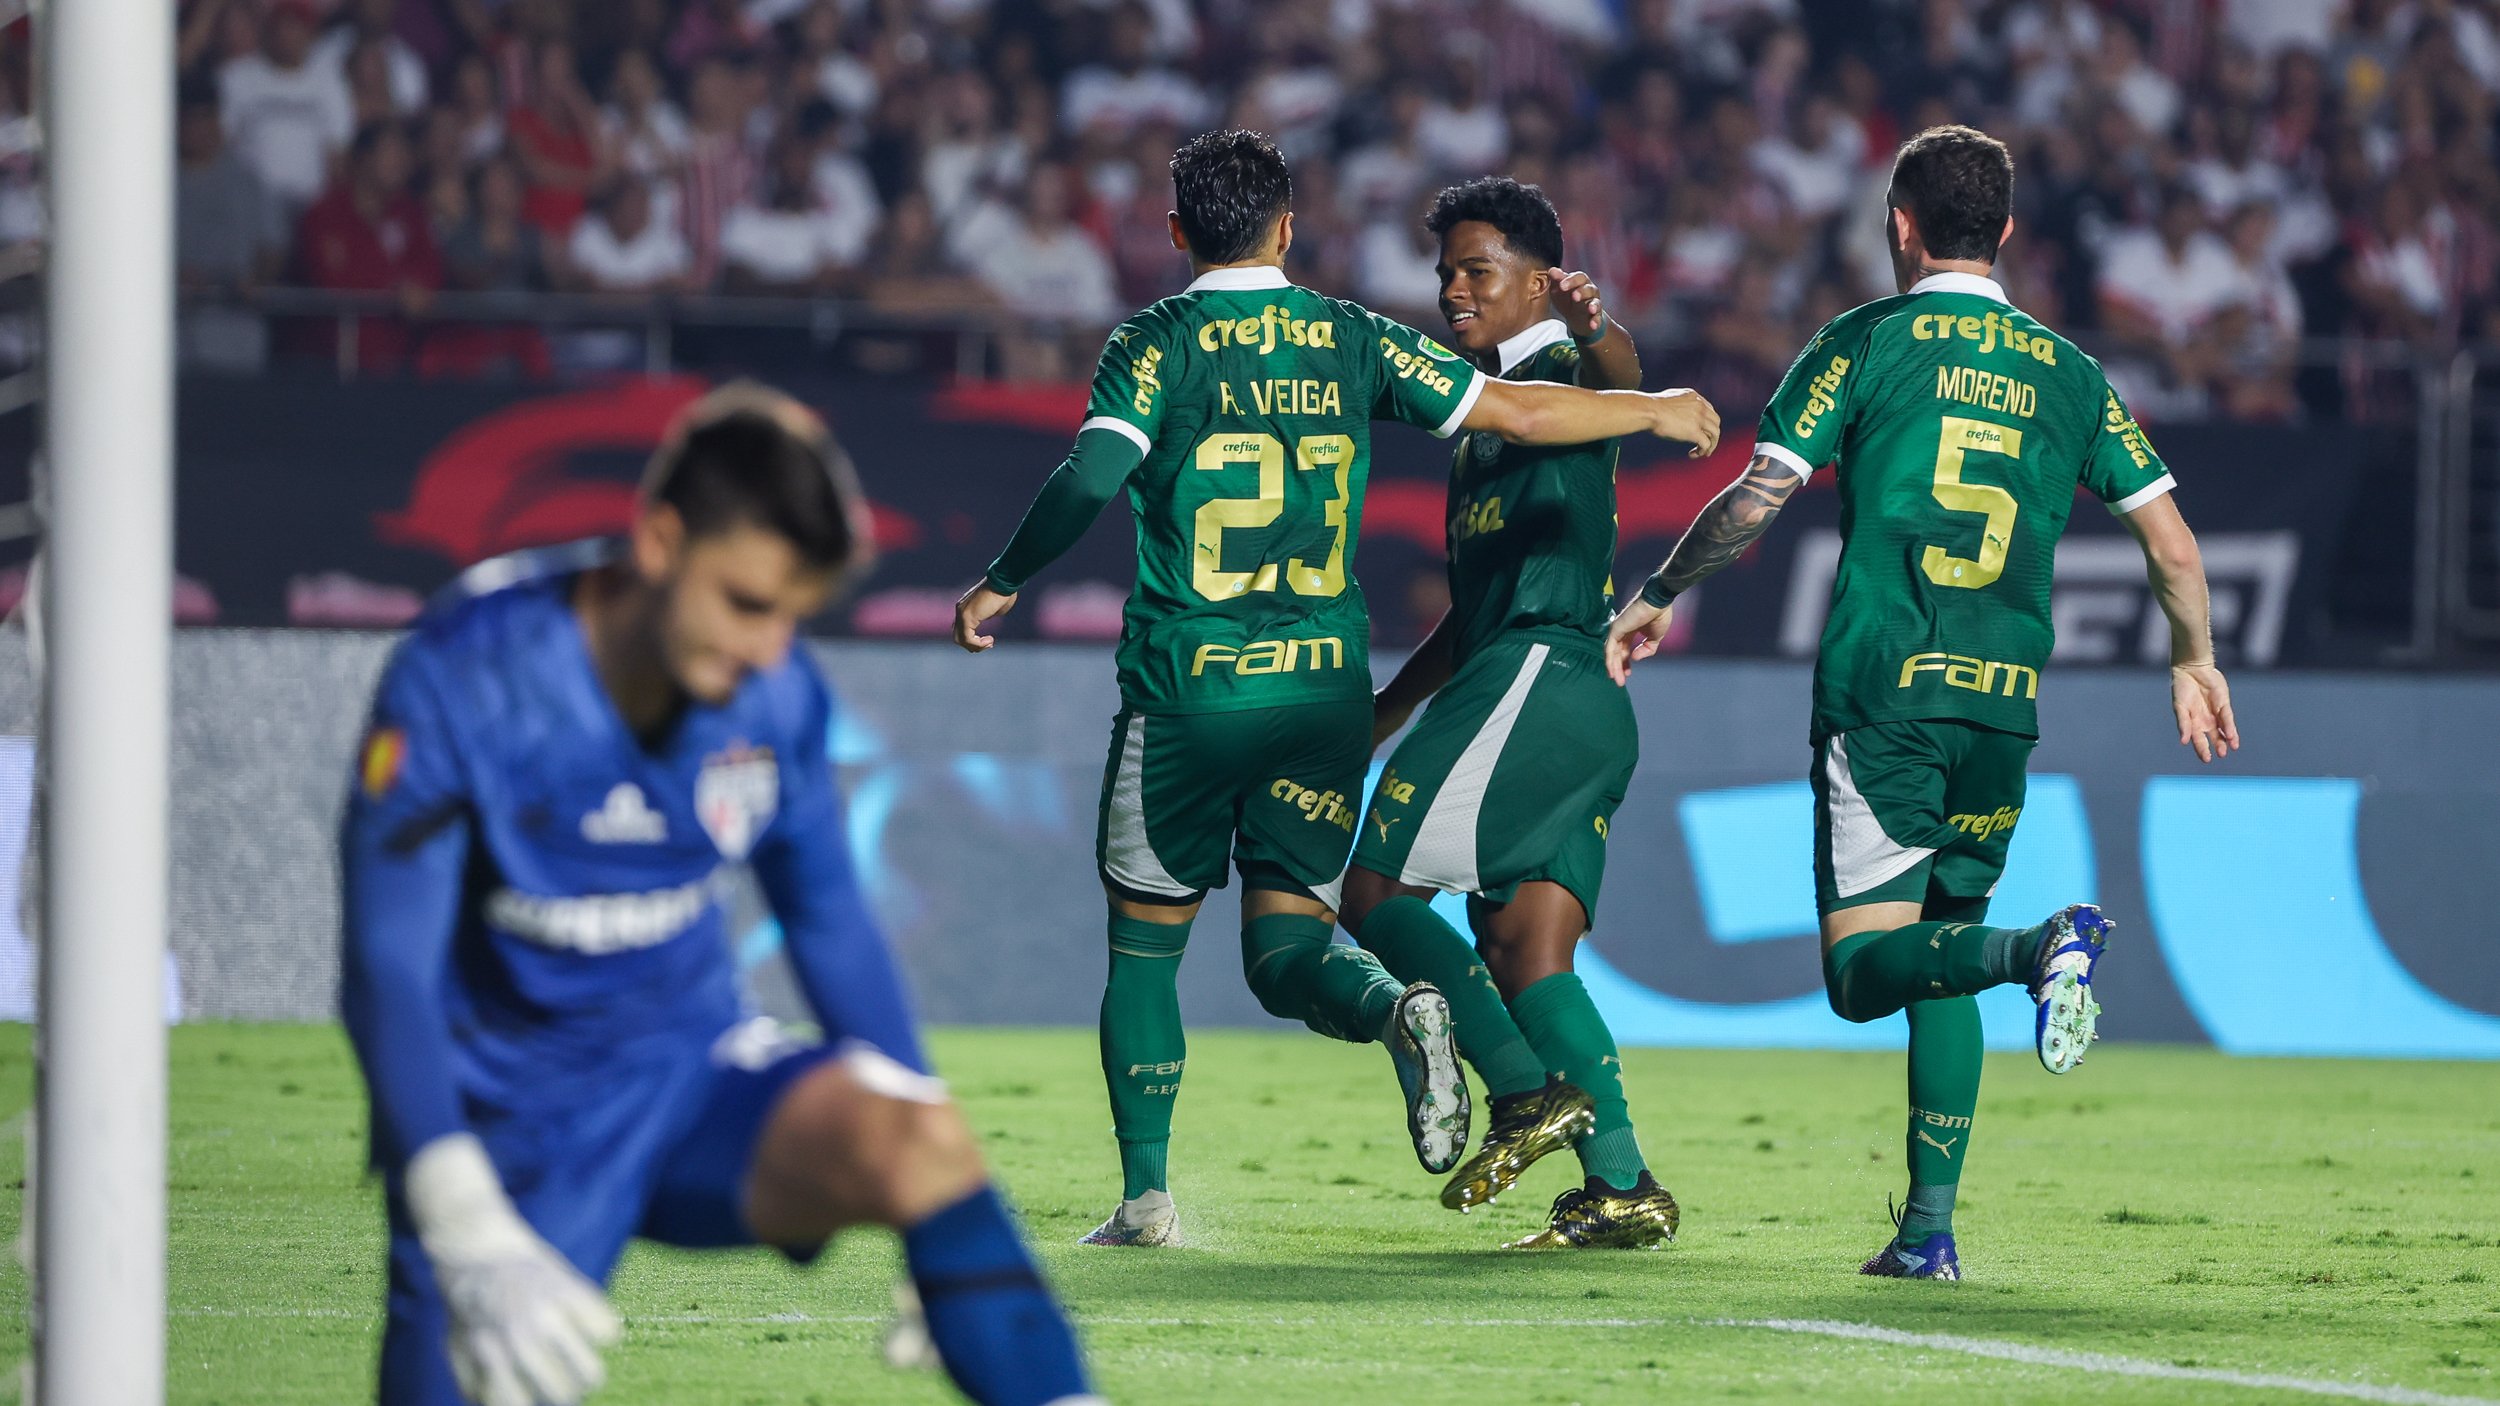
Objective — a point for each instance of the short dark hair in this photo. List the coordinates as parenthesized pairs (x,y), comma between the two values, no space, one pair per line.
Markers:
(750,456)
(1228,188)
(1958,185)
(1521,212)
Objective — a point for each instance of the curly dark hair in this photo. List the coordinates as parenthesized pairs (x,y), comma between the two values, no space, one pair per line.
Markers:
(1958,184)
(1228,188)
(1521,212)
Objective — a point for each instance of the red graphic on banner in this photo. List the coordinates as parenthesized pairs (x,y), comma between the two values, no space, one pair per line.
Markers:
(503,482)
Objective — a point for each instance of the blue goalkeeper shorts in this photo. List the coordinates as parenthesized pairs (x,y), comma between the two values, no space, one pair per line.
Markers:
(662,1152)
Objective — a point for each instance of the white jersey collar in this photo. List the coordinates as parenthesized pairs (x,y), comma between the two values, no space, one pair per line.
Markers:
(1536,337)
(1962,283)
(1235,280)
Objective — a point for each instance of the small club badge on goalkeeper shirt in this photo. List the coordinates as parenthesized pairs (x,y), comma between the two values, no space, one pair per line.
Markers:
(735,796)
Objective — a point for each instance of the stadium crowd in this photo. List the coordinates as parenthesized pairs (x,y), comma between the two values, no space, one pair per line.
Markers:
(2202,182)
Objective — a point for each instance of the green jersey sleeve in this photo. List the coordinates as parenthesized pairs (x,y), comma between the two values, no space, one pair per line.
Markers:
(1421,381)
(1128,397)
(1802,425)
(2121,469)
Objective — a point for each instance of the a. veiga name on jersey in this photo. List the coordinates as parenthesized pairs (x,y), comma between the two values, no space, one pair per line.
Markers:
(599,923)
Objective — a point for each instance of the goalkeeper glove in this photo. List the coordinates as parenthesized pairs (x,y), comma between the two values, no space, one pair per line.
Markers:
(526,1326)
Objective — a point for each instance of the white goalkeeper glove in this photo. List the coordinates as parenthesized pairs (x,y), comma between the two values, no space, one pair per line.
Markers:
(526,1326)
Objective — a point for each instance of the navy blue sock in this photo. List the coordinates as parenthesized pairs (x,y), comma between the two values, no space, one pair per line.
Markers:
(1002,1336)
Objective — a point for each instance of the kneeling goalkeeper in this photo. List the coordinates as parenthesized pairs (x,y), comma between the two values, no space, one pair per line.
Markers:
(561,760)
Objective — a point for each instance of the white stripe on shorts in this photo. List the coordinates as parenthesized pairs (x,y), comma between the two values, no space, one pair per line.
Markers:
(1863,856)
(1444,852)
(1127,856)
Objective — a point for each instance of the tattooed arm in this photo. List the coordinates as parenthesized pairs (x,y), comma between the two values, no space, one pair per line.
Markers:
(1742,512)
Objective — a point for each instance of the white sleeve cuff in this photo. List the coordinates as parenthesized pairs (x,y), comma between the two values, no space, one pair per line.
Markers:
(2144,495)
(1785,455)
(1114,423)
(1466,402)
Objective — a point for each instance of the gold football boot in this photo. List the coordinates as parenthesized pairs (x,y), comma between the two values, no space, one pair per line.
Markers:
(1598,1217)
(1525,1127)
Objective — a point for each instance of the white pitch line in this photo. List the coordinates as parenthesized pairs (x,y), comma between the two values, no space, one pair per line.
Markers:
(2025,1353)
(2103,1362)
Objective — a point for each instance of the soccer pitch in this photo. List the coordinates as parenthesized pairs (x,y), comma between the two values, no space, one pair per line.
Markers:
(2163,1225)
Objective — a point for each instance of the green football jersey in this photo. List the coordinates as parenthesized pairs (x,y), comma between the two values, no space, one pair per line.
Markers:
(1532,527)
(1253,401)
(1961,429)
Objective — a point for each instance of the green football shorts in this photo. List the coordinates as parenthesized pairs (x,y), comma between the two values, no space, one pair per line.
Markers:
(1276,786)
(1915,812)
(1513,773)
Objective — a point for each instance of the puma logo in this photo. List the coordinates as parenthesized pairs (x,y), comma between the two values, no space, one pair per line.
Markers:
(1383,825)
(1945,1147)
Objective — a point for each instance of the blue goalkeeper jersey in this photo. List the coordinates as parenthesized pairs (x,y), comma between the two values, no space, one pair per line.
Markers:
(531,892)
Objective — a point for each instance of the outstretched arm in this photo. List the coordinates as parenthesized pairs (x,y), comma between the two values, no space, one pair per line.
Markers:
(1732,522)
(1539,412)
(2200,698)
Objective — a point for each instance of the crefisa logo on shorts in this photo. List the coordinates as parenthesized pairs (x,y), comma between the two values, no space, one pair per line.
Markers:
(735,796)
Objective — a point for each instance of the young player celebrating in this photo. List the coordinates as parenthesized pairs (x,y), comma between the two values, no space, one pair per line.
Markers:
(1504,790)
(535,975)
(1237,414)
(1961,428)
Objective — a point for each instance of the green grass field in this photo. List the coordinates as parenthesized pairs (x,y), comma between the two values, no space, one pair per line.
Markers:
(2337,1222)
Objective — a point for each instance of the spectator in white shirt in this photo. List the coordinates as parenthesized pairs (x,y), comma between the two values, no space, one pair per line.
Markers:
(2159,290)
(2235,173)
(2260,329)
(286,117)
(813,220)
(965,150)
(620,248)
(372,21)
(1463,129)
(2158,285)
(645,130)
(1125,90)
(1394,264)
(1050,267)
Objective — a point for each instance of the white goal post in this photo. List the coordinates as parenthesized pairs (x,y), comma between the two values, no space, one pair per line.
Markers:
(98,1184)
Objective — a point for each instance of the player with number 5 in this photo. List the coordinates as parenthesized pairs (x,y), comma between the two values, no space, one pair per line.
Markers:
(1961,429)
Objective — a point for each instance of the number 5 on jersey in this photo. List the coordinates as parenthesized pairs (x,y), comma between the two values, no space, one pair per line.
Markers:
(1312,453)
(1961,436)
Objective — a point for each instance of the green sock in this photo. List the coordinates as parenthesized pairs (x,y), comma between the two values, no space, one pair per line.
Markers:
(1300,972)
(1143,1048)
(1563,1026)
(1417,944)
(1945,1049)
(1870,975)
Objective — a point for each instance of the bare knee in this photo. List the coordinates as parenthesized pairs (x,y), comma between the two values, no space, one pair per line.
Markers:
(933,1162)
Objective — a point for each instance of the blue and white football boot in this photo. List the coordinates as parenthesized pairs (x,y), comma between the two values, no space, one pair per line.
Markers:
(1933,1258)
(2071,945)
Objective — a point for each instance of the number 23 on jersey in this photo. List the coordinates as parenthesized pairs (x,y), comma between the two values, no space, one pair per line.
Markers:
(1329,455)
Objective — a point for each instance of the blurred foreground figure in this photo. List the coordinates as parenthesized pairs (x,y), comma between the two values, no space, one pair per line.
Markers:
(562,757)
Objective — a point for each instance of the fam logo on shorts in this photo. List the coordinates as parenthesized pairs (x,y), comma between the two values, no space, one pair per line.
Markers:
(735,796)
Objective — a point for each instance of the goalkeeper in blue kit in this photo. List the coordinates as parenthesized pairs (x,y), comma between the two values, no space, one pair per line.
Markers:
(562,760)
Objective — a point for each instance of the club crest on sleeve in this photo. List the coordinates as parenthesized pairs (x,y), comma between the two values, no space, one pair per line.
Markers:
(735,796)
(386,748)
